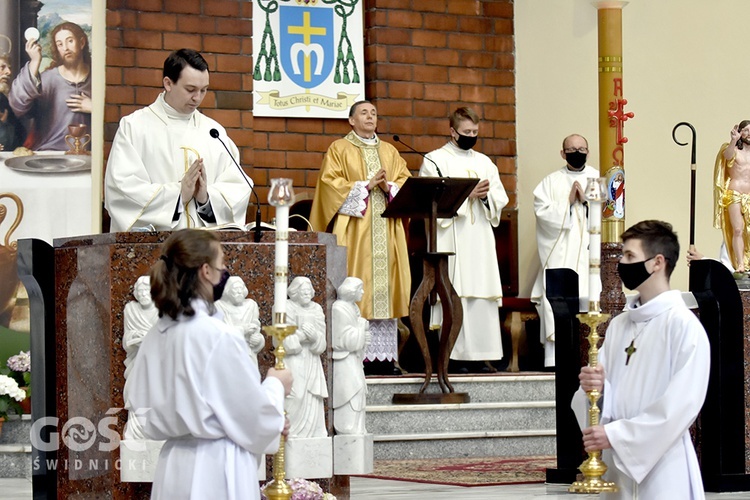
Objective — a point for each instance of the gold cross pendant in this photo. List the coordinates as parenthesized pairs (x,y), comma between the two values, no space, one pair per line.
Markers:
(630,350)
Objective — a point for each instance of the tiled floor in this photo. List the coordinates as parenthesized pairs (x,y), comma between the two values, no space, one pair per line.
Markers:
(379,489)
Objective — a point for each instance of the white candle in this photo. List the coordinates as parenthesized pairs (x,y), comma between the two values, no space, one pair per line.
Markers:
(595,251)
(282,259)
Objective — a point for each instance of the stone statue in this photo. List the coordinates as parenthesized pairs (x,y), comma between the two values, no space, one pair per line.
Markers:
(303,349)
(350,336)
(138,318)
(242,313)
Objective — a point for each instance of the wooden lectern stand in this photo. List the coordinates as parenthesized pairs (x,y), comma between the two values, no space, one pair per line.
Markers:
(430,198)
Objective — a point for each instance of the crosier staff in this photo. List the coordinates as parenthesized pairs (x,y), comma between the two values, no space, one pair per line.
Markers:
(692,179)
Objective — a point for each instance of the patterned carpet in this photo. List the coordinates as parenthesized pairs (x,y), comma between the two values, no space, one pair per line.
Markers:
(490,471)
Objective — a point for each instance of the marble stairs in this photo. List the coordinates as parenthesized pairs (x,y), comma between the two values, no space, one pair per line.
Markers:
(15,447)
(508,415)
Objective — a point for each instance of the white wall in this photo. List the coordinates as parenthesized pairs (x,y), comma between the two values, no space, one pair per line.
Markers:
(682,61)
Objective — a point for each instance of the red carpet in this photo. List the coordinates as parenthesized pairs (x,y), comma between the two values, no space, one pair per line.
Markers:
(490,471)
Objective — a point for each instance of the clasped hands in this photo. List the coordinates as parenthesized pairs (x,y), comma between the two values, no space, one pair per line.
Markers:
(576,193)
(380,180)
(194,183)
(594,437)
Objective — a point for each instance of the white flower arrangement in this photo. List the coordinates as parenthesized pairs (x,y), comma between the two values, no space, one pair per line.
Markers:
(10,396)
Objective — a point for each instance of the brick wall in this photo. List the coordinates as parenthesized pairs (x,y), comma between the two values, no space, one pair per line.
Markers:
(423,58)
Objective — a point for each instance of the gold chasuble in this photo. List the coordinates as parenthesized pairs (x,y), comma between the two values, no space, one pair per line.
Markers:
(375,246)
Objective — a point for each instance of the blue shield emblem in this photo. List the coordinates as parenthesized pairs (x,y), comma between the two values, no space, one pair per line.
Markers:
(306,42)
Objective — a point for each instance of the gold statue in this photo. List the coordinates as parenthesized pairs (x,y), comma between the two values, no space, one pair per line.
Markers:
(732,196)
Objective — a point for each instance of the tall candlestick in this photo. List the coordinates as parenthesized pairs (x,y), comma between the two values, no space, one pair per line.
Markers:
(595,194)
(281,196)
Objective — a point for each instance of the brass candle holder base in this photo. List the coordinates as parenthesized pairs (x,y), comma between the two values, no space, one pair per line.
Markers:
(593,468)
(278,489)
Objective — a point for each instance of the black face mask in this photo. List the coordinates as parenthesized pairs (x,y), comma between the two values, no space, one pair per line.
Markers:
(634,274)
(576,159)
(219,287)
(466,142)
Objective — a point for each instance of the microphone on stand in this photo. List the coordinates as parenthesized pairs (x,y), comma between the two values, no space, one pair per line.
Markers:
(396,138)
(215,134)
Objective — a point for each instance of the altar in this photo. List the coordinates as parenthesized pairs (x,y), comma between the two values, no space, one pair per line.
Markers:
(93,281)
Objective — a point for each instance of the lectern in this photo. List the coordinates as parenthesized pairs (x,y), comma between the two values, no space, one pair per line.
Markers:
(430,198)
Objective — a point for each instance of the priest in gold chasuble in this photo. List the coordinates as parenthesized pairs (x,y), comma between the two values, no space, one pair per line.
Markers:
(360,174)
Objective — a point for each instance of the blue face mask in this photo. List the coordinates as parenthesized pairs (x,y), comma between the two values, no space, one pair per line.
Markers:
(634,274)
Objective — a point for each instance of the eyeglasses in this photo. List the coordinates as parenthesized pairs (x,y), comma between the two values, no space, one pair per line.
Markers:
(576,150)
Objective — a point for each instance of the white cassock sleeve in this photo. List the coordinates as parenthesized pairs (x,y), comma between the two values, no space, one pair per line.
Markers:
(252,415)
(552,213)
(132,198)
(497,198)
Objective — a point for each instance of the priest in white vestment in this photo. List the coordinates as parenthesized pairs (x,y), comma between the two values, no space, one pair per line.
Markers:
(194,386)
(166,171)
(653,373)
(562,231)
(473,270)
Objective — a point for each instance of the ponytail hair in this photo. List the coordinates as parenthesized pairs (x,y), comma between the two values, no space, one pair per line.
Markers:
(174,277)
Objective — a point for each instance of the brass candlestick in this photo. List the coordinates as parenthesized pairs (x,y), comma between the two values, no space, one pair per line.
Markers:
(278,489)
(593,468)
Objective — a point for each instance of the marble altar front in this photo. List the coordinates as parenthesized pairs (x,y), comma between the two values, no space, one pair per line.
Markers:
(94,276)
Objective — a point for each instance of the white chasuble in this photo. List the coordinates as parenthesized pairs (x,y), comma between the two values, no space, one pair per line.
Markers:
(151,153)
(562,240)
(652,394)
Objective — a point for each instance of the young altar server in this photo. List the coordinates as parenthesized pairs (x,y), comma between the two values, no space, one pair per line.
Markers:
(653,373)
(193,384)
(469,236)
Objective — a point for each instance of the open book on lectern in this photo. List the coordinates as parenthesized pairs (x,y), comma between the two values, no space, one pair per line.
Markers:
(416,196)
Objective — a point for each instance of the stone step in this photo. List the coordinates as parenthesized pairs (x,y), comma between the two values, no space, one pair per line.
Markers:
(508,415)
(15,460)
(460,445)
(16,430)
(481,388)
(15,447)
(470,417)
